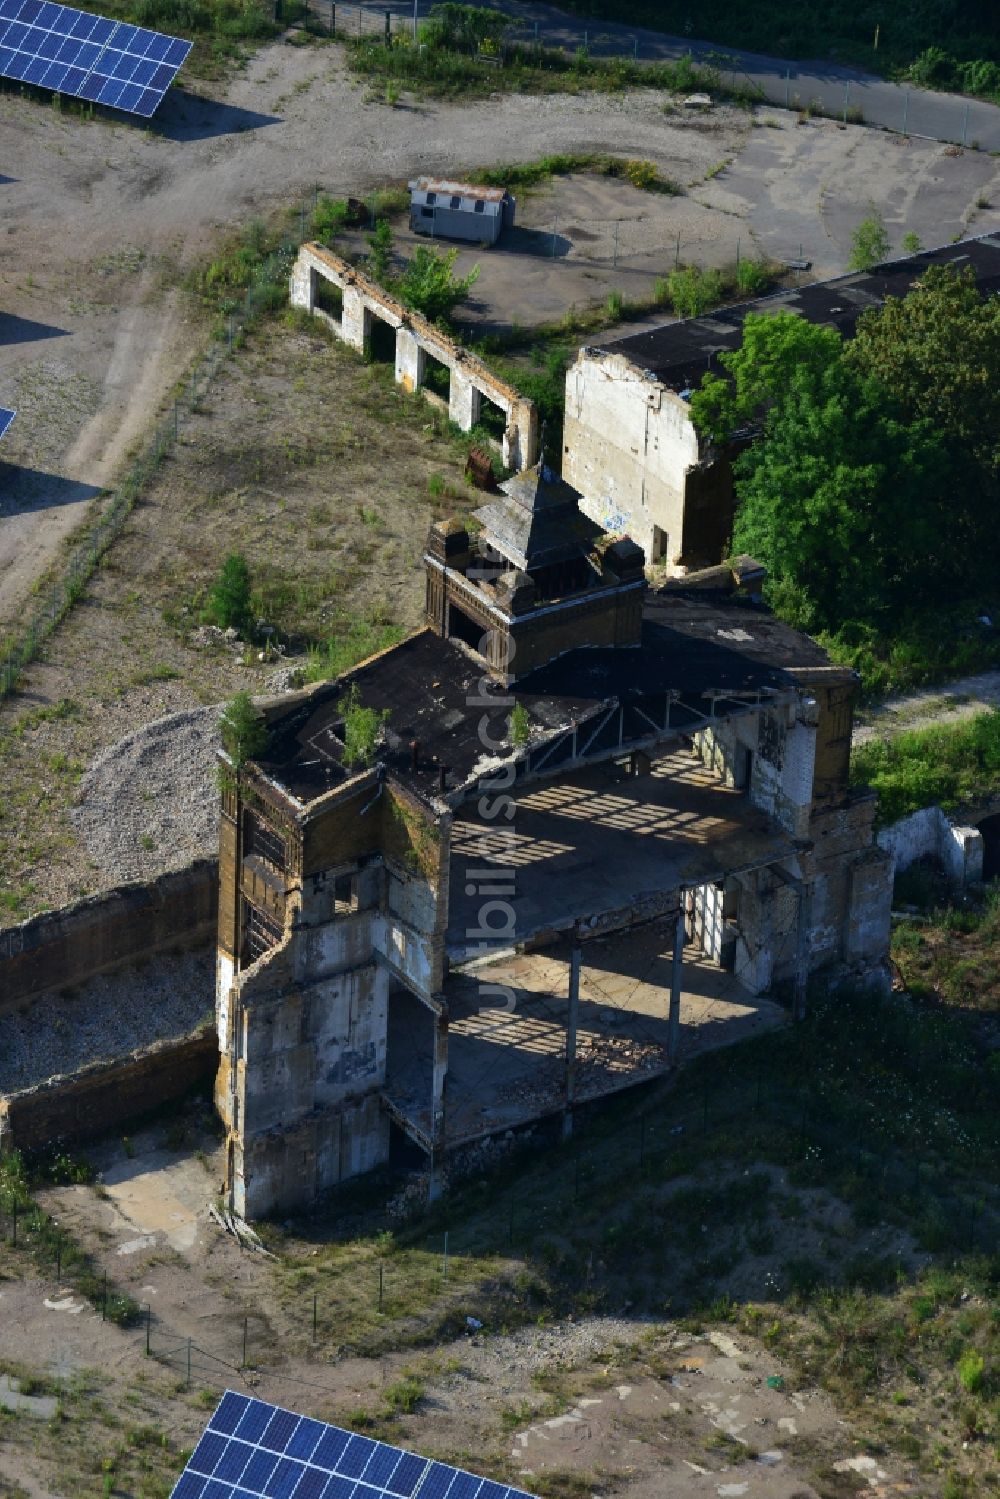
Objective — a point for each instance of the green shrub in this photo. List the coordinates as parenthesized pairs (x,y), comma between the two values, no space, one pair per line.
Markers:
(944,765)
(693,290)
(971,1371)
(429,284)
(328,218)
(753,278)
(362,727)
(228,603)
(242,730)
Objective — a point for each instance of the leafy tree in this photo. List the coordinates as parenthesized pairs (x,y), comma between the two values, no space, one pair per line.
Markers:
(242,730)
(362,727)
(429,284)
(869,243)
(228,604)
(938,350)
(911,243)
(841,499)
(775,347)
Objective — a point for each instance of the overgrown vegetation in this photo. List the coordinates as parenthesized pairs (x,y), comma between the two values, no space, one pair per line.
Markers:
(872,451)
(220,29)
(898,37)
(40,1238)
(465,49)
(362,728)
(242,730)
(945,765)
(228,604)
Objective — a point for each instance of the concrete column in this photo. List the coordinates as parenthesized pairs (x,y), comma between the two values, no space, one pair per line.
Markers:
(463,400)
(355,319)
(676,972)
(302,285)
(802,949)
(411,360)
(438,1077)
(571,1026)
(522,449)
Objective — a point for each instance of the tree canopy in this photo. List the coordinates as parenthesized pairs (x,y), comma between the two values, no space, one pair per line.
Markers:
(870,488)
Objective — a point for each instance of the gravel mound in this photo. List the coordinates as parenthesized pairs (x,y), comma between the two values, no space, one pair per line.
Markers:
(150,802)
(107,1017)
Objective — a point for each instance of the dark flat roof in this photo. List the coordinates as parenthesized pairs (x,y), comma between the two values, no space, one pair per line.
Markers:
(692,644)
(678,354)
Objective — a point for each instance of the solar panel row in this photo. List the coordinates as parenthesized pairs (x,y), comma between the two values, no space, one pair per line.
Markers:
(91,57)
(6,417)
(253,1450)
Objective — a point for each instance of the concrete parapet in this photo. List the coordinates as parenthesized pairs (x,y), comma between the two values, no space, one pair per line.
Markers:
(128,924)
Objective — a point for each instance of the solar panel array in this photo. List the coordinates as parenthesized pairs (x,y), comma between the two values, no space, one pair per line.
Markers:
(252,1450)
(91,57)
(6,417)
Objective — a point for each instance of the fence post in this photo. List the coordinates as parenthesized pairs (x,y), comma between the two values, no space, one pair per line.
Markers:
(381,1283)
(104,1298)
(58,1260)
(315,1301)
(906,108)
(788,83)
(246,1321)
(149,1313)
(189,1364)
(333,17)
(445,1264)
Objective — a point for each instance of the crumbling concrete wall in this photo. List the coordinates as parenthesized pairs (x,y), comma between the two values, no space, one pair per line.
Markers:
(629,447)
(125,925)
(107,1095)
(304,1031)
(930,832)
(471,381)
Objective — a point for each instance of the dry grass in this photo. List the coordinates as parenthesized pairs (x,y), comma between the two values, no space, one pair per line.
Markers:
(326,476)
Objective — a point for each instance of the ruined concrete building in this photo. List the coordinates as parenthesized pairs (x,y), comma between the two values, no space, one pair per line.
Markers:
(630,447)
(600,825)
(425,358)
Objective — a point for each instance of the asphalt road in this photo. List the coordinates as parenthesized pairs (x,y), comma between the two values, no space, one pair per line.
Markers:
(893,106)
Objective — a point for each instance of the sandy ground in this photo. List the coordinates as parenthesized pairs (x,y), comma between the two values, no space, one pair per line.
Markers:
(945,704)
(102,219)
(633,1406)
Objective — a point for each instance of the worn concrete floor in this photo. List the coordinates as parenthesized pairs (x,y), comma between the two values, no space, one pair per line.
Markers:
(599,842)
(506,1056)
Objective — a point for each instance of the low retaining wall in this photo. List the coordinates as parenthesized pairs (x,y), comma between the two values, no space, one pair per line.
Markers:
(416,339)
(125,925)
(931,833)
(88,1104)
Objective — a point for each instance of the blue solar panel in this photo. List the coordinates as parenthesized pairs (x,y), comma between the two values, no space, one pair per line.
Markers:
(253,1450)
(92,57)
(6,417)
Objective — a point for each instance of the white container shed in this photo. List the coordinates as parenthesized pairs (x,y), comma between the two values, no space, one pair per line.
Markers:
(459,210)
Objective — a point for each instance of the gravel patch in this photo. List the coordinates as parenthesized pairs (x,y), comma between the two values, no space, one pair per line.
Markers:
(150,803)
(108,1017)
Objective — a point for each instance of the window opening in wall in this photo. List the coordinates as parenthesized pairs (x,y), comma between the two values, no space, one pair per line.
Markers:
(660,543)
(479,206)
(330,298)
(462,627)
(432,197)
(264,842)
(427,213)
(437,377)
(260,933)
(345,894)
(742,766)
(381,342)
(456,202)
(491,417)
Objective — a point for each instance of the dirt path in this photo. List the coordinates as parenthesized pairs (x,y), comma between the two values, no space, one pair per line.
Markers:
(945,704)
(103,219)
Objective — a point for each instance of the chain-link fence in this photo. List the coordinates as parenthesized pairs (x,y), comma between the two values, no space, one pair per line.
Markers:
(477,1260)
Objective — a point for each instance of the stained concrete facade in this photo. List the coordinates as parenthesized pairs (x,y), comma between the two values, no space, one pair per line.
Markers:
(629,445)
(687,771)
(362,304)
